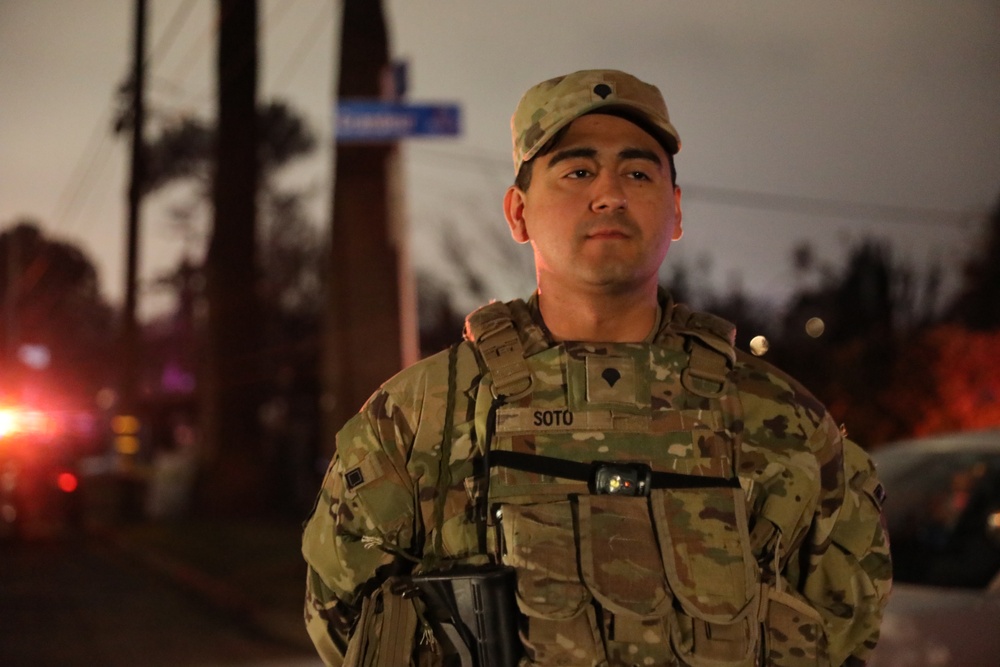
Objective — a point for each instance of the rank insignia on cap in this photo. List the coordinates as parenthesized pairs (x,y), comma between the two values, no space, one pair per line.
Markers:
(354,478)
(549,106)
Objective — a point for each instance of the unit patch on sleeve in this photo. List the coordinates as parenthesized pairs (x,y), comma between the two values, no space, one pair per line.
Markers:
(368,470)
(354,478)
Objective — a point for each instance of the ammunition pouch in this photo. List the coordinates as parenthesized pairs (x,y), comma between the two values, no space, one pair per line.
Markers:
(385,630)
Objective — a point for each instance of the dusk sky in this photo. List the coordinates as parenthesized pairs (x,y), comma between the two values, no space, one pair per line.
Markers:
(801,121)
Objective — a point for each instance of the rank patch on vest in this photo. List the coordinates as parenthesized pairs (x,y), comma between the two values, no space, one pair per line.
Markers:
(611,379)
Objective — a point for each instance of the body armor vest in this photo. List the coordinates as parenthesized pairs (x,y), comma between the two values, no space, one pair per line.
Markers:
(613,492)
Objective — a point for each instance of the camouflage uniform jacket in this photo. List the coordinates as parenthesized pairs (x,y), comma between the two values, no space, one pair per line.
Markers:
(803,581)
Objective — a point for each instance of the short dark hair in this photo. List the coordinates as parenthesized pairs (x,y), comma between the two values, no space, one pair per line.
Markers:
(523,178)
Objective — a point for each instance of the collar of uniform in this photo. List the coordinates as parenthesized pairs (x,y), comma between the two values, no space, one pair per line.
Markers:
(535,327)
(528,321)
(665,313)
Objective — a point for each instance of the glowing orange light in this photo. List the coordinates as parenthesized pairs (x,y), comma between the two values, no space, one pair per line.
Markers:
(8,422)
(126,444)
(17,422)
(67,482)
(124,425)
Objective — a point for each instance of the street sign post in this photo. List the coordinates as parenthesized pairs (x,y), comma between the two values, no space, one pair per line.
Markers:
(372,121)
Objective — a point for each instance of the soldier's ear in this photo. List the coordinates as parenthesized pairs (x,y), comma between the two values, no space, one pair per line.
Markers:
(678,216)
(513,209)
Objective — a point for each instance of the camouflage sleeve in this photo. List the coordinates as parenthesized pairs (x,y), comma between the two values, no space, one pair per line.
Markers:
(363,522)
(849,573)
(821,493)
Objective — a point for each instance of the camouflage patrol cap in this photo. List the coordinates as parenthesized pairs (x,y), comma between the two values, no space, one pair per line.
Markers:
(551,105)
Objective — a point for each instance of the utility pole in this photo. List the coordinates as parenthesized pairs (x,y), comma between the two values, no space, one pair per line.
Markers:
(126,425)
(230,388)
(129,334)
(364,333)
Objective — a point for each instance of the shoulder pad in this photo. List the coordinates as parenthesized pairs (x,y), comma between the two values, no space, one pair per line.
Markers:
(496,315)
(486,319)
(714,331)
(491,329)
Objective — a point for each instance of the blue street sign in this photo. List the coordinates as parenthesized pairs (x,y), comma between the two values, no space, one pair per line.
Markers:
(360,121)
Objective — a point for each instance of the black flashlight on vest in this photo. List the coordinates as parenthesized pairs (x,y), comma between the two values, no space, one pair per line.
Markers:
(621,479)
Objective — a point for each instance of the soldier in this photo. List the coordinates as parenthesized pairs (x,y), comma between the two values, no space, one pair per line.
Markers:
(595,476)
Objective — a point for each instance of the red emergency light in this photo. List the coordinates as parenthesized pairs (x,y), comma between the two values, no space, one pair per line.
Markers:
(67,482)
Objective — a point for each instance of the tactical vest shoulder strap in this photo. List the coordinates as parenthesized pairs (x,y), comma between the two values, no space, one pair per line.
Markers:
(714,331)
(710,341)
(491,329)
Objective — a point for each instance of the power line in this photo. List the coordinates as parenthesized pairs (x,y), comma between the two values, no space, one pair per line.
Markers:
(747,199)
(194,54)
(278,13)
(822,207)
(84,175)
(170,33)
(307,43)
(87,170)
(178,77)
(466,153)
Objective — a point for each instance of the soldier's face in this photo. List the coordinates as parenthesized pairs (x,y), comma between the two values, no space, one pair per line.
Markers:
(601,210)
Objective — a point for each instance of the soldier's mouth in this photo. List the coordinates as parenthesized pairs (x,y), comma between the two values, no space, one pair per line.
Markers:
(607,234)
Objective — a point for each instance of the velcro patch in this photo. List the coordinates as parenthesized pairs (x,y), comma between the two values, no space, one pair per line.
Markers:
(368,470)
(611,379)
(354,478)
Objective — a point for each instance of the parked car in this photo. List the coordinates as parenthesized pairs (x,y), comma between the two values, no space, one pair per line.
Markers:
(943,512)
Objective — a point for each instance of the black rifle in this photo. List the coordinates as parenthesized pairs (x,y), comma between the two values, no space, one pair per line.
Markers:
(476,610)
